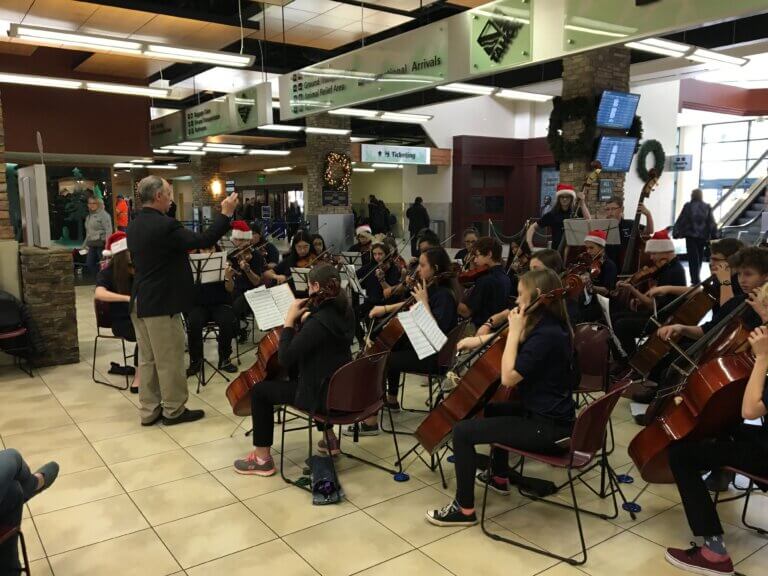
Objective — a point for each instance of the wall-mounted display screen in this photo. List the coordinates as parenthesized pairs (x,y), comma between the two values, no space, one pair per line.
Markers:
(617,109)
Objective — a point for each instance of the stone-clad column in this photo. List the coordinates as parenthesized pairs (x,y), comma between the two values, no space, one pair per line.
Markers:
(6,228)
(318,147)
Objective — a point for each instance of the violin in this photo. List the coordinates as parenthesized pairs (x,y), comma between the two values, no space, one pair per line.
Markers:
(471,276)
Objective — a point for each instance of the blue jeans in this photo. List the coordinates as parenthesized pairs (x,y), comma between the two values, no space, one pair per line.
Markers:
(92,260)
(17,485)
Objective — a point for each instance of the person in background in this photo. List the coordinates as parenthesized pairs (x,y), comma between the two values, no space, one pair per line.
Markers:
(602,284)
(212,303)
(565,198)
(244,272)
(163,289)
(696,224)
(171,210)
(301,248)
(293,220)
(98,225)
(248,210)
(614,209)
(113,285)
(17,486)
(121,213)
(363,244)
(465,254)
(374,217)
(268,250)
(490,293)
(318,245)
(418,219)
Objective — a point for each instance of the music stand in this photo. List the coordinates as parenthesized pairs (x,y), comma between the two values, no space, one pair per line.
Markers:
(576,229)
(353,258)
(207,269)
(300,277)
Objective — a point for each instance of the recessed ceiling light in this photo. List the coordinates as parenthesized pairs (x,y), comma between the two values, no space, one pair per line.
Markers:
(142,161)
(161,151)
(127,165)
(361,138)
(225,146)
(189,151)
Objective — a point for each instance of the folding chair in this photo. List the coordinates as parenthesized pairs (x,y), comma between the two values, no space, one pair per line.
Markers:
(7,532)
(753,480)
(355,392)
(586,442)
(18,350)
(104,321)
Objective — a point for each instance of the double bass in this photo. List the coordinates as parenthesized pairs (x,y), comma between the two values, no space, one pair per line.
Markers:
(632,256)
(592,177)
(480,382)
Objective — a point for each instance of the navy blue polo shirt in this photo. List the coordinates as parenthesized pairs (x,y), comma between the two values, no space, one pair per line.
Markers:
(443,306)
(489,295)
(608,273)
(750,318)
(374,292)
(671,274)
(544,362)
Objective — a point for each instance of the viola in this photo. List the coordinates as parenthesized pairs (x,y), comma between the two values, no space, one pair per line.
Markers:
(471,276)
(478,384)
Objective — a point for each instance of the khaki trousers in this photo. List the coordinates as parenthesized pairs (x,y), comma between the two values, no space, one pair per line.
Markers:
(161,354)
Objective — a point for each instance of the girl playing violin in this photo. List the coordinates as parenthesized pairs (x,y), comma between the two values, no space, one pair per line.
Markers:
(363,244)
(379,281)
(490,293)
(298,257)
(315,352)
(267,250)
(537,363)
(318,245)
(439,296)
(604,282)
(465,254)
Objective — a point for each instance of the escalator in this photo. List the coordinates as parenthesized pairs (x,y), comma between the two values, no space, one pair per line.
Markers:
(743,211)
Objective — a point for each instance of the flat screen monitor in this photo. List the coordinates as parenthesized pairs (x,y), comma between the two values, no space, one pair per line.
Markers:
(617,110)
(615,153)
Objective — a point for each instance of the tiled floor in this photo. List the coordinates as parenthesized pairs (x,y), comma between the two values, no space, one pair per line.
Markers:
(166,501)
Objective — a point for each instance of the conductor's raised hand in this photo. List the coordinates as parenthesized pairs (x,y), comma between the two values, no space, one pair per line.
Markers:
(229,204)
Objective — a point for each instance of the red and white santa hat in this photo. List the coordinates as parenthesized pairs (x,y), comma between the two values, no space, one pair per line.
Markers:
(363,230)
(599,237)
(565,189)
(241,230)
(116,243)
(660,242)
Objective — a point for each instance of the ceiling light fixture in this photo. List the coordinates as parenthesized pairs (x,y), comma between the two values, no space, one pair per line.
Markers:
(660,46)
(356,139)
(404,117)
(190,144)
(465,88)
(161,151)
(127,89)
(198,56)
(258,152)
(96,42)
(596,31)
(363,170)
(355,112)
(127,165)
(224,146)
(381,165)
(279,169)
(142,161)
(282,127)
(520,95)
(189,151)
(317,130)
(225,150)
(712,57)
(163,166)
(29,80)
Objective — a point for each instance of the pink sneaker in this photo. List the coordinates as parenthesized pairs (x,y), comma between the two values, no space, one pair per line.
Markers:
(692,560)
(250,465)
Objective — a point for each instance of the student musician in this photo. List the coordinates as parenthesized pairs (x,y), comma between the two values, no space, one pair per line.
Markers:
(243,272)
(379,282)
(315,352)
(363,244)
(318,246)
(746,449)
(439,296)
(490,293)
(629,324)
(113,285)
(595,246)
(564,200)
(267,250)
(614,209)
(537,362)
(212,303)
(465,254)
(300,256)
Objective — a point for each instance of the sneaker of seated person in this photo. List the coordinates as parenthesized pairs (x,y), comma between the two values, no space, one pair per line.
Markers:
(227,366)
(194,367)
(363,430)
(333,442)
(498,485)
(693,560)
(252,465)
(451,515)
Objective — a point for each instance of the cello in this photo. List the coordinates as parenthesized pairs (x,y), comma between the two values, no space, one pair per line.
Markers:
(479,383)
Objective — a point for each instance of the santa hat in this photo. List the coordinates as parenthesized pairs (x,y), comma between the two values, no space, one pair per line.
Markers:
(363,230)
(116,243)
(565,189)
(598,237)
(241,230)
(660,242)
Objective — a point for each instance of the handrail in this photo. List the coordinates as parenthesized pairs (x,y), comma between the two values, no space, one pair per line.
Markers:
(753,192)
(745,225)
(740,180)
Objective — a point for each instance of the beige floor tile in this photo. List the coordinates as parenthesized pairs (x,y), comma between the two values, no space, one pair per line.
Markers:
(757,513)
(213,534)
(106,428)
(124,556)
(75,489)
(365,486)
(290,510)
(670,528)
(117,405)
(368,542)
(404,515)
(244,486)
(182,498)
(124,448)
(212,427)
(88,523)
(40,568)
(156,469)
(411,564)
(220,453)
(383,446)
(65,444)
(754,565)
(487,556)
(625,431)
(274,557)
(562,569)
(32,414)
(31,537)
(534,522)
(629,555)
(497,504)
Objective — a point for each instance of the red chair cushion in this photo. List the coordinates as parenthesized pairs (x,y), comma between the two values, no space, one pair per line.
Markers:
(13,333)
(558,460)
(7,531)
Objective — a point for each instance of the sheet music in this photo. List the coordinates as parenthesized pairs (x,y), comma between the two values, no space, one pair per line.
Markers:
(418,339)
(351,274)
(210,266)
(429,326)
(269,306)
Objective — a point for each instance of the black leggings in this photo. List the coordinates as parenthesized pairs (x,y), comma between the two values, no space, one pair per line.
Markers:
(197,318)
(748,450)
(403,358)
(506,424)
(124,329)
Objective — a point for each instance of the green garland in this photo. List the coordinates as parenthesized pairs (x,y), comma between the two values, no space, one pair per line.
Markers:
(566,110)
(650,147)
(338,171)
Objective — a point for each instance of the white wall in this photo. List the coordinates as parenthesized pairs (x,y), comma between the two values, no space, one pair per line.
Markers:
(658,108)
